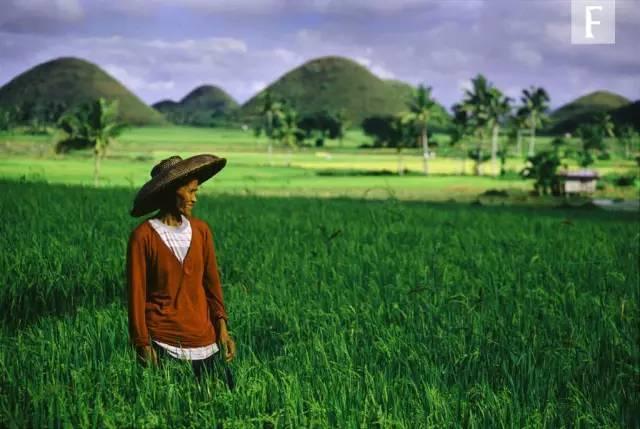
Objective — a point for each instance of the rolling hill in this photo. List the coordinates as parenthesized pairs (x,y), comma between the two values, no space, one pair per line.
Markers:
(203,106)
(67,82)
(584,109)
(336,83)
(627,115)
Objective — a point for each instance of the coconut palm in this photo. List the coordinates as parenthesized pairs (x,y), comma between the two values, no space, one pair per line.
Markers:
(498,107)
(517,123)
(461,131)
(420,110)
(628,138)
(477,104)
(535,102)
(94,125)
(606,123)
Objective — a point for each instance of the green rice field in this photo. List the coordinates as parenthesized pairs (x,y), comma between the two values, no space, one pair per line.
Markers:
(347,313)
(336,170)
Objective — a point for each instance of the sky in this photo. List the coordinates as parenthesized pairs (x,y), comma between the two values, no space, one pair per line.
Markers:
(162,49)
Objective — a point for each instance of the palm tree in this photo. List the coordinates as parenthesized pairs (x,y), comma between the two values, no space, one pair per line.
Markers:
(498,107)
(399,138)
(605,122)
(420,110)
(271,109)
(535,102)
(628,138)
(94,125)
(518,122)
(461,131)
(476,104)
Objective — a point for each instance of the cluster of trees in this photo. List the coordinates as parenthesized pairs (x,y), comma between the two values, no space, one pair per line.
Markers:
(280,122)
(202,118)
(479,119)
(480,116)
(543,166)
(485,110)
(36,117)
(92,125)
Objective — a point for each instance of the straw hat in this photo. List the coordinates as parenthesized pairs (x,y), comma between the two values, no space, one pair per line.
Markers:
(170,171)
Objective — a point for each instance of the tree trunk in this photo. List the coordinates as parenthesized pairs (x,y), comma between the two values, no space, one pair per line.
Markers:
(463,165)
(270,136)
(519,143)
(425,150)
(400,164)
(494,149)
(532,141)
(477,166)
(96,167)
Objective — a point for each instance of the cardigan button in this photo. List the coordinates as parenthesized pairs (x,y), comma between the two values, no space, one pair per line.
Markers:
(187,270)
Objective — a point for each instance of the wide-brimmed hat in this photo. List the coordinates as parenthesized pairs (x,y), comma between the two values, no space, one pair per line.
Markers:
(170,171)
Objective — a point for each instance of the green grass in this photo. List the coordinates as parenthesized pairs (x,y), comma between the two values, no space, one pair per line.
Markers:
(412,315)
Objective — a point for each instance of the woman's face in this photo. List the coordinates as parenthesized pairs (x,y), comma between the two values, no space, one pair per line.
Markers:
(186,197)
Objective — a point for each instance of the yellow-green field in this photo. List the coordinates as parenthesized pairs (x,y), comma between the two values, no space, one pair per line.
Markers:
(337,169)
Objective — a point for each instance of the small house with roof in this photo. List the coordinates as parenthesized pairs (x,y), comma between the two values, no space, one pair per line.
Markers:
(576,182)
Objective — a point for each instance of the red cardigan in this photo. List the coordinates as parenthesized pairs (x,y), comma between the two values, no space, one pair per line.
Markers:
(173,303)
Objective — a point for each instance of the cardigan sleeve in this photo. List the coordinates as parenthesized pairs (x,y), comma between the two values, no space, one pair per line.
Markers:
(212,285)
(137,293)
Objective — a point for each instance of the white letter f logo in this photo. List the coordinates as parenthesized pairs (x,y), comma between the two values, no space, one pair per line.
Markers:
(589,21)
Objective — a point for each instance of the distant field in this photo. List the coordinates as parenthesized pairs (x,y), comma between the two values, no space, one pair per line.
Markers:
(338,170)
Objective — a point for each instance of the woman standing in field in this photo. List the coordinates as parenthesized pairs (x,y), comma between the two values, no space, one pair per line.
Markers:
(176,306)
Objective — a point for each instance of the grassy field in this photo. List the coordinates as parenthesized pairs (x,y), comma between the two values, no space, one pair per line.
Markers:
(335,170)
(412,315)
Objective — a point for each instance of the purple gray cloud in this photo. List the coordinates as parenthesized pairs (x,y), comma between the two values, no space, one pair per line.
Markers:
(164,48)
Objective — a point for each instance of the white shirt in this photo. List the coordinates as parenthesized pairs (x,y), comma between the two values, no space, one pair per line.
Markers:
(178,239)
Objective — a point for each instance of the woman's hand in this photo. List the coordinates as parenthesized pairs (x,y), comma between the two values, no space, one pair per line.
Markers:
(228,345)
(147,355)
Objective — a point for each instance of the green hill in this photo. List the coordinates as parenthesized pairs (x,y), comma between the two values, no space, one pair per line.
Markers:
(584,109)
(204,106)
(336,83)
(64,83)
(627,115)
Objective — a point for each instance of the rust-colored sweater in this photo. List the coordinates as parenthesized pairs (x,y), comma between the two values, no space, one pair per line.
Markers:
(172,302)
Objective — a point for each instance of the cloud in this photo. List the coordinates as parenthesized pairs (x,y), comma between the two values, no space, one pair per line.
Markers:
(165,48)
(522,53)
(136,82)
(278,7)
(450,58)
(258,86)
(67,10)
(377,69)
(145,7)
(39,16)
(286,55)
